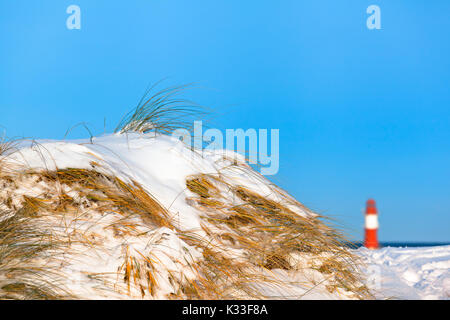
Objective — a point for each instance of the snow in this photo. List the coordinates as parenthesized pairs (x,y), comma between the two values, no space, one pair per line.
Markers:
(408,273)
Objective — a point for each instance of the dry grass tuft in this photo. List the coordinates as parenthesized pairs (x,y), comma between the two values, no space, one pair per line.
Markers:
(6,146)
(162,112)
(22,243)
(110,194)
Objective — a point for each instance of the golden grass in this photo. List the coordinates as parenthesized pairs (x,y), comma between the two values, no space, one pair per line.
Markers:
(162,112)
(5,147)
(105,195)
(112,193)
(22,242)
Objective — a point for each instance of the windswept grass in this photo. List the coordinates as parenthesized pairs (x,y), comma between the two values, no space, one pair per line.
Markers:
(112,192)
(35,233)
(6,146)
(3,147)
(22,243)
(161,112)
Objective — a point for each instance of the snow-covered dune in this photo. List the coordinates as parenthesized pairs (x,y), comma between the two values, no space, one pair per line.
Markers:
(136,215)
(143,215)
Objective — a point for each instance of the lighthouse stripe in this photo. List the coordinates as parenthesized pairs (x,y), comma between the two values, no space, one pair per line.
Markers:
(371,221)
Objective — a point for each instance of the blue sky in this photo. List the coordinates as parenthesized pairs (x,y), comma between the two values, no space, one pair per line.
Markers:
(362,113)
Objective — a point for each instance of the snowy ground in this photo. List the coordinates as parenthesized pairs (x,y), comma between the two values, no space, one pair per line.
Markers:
(408,273)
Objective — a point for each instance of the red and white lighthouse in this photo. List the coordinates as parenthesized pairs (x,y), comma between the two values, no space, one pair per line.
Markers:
(371,225)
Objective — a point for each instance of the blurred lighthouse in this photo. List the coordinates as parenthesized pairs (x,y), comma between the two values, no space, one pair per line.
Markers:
(371,225)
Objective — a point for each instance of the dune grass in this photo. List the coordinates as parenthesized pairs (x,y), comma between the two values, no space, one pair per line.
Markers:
(6,145)
(30,231)
(23,242)
(162,112)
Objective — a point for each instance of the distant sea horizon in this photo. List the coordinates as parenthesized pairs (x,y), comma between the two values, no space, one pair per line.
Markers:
(401,244)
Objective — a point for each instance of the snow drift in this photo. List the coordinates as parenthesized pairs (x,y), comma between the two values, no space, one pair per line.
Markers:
(409,273)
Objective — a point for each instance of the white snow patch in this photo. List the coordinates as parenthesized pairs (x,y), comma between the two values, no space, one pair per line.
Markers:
(409,273)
